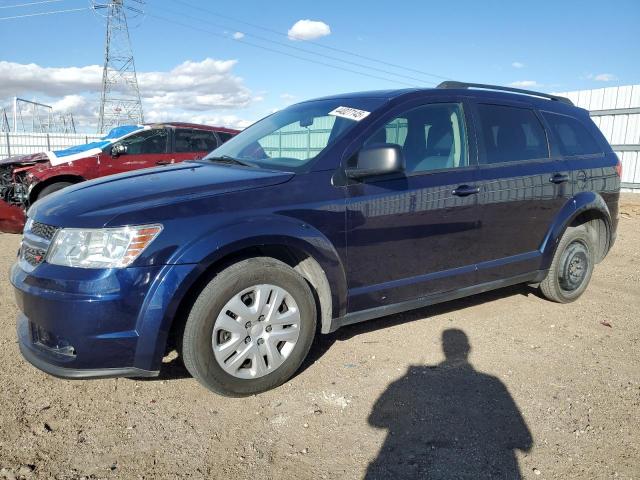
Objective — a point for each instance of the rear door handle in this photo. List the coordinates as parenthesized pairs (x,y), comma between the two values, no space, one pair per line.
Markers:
(559,178)
(464,190)
(163,162)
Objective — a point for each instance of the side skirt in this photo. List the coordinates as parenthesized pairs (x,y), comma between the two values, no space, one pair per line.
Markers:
(377,312)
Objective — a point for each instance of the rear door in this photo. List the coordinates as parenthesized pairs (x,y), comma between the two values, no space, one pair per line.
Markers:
(590,170)
(191,143)
(415,234)
(522,188)
(144,149)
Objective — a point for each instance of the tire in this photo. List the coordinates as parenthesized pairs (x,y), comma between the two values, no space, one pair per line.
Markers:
(255,282)
(54,187)
(576,245)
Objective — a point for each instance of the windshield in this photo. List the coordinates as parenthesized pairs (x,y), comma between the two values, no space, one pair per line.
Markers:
(291,138)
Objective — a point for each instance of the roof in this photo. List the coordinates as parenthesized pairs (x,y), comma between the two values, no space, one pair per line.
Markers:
(408,93)
(193,125)
(384,94)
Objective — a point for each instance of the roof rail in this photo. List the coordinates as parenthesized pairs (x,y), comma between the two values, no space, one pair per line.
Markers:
(454,84)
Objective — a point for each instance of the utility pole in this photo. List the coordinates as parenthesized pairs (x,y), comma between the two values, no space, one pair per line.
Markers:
(120,98)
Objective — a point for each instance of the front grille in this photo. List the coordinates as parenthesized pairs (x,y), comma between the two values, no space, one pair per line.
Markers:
(36,241)
(33,256)
(45,231)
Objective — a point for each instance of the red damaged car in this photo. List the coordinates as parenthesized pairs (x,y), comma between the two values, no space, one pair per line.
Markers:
(27,178)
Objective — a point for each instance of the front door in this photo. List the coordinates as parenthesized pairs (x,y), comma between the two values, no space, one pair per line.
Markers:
(415,234)
(144,149)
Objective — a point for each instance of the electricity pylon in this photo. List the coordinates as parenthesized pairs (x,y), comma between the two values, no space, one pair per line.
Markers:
(120,98)
(4,121)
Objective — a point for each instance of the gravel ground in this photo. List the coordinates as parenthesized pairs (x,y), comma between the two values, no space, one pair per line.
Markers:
(547,391)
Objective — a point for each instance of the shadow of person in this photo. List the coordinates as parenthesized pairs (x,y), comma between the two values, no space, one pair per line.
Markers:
(448,421)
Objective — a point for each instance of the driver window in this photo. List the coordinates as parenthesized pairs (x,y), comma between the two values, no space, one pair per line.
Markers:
(432,137)
(146,142)
(300,140)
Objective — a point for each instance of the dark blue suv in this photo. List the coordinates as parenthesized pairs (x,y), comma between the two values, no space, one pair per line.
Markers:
(327,213)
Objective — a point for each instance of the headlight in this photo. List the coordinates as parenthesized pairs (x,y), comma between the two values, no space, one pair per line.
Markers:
(100,248)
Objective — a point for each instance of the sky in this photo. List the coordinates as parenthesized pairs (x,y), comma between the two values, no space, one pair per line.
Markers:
(231,63)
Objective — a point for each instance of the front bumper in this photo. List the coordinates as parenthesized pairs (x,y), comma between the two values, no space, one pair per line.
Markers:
(77,323)
(36,358)
(11,218)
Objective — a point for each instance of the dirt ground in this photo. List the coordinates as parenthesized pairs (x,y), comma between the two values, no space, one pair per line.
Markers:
(548,391)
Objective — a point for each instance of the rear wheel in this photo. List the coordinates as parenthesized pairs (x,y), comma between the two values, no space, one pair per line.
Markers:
(571,268)
(54,187)
(250,328)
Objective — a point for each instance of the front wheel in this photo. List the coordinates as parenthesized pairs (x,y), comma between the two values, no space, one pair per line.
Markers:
(54,187)
(250,328)
(571,267)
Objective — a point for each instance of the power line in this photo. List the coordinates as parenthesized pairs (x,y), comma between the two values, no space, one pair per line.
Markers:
(318,44)
(304,50)
(29,4)
(305,59)
(45,13)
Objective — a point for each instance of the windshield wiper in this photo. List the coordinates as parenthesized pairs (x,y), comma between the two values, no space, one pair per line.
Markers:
(231,161)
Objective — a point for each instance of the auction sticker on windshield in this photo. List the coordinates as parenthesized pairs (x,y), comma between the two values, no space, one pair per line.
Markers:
(350,113)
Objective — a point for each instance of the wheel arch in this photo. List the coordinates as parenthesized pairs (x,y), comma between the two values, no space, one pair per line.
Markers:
(585,208)
(297,244)
(38,187)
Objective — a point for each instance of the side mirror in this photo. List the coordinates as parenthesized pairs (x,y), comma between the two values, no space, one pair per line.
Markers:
(118,149)
(377,159)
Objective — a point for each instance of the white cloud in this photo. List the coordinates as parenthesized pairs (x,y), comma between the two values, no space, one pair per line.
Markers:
(517,65)
(308,30)
(238,35)
(605,77)
(525,84)
(192,90)
(70,103)
(17,78)
(287,96)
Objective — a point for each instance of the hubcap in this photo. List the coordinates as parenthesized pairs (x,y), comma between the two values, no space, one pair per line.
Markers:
(256,331)
(574,266)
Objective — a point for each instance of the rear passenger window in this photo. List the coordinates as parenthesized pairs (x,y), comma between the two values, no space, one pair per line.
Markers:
(511,134)
(195,141)
(573,138)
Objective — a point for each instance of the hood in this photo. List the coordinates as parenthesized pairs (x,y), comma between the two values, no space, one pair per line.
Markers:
(94,203)
(25,159)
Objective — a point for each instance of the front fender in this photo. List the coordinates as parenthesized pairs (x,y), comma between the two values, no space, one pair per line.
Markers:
(578,204)
(192,261)
(271,230)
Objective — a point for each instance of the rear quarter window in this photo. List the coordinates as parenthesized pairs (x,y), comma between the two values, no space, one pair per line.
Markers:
(191,140)
(572,136)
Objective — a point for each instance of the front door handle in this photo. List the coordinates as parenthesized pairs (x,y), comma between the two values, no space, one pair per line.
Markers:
(163,162)
(559,178)
(464,190)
